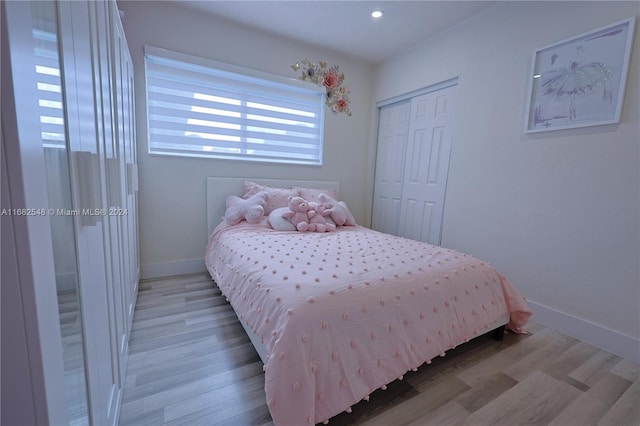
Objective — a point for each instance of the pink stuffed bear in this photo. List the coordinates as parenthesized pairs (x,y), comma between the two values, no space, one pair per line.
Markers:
(317,220)
(338,211)
(297,213)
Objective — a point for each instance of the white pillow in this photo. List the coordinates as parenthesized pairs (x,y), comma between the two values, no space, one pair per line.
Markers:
(280,223)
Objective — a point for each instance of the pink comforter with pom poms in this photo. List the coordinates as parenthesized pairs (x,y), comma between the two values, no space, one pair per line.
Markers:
(344,313)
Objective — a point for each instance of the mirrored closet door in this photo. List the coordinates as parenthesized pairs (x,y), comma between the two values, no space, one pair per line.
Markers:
(50,106)
(72,82)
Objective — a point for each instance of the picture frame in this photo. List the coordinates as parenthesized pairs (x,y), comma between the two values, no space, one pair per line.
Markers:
(580,81)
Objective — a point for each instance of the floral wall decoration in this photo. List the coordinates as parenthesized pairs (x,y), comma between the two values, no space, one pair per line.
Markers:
(329,77)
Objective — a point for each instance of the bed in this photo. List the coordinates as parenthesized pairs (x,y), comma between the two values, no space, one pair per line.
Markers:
(336,315)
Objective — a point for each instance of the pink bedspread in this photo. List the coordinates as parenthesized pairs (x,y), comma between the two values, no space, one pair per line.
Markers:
(343,313)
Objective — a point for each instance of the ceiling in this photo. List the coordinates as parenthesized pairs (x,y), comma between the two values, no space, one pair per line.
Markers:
(347,26)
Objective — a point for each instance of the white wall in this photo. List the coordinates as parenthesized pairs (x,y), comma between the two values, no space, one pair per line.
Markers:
(558,212)
(172,190)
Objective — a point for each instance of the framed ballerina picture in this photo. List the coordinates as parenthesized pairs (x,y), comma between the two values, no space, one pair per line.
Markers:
(580,81)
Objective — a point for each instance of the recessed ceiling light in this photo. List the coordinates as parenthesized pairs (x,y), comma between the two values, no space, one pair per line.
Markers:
(377,13)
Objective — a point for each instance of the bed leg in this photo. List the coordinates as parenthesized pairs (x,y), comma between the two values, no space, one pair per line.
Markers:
(498,333)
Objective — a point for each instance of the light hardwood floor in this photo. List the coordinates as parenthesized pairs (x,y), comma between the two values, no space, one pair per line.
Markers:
(191,363)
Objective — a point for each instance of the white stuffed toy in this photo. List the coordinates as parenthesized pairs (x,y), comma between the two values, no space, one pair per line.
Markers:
(251,209)
(338,211)
(278,222)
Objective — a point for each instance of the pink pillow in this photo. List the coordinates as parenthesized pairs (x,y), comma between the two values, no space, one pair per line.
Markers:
(250,209)
(277,197)
(311,194)
(338,211)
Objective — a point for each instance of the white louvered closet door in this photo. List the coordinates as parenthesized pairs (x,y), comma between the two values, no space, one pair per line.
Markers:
(412,166)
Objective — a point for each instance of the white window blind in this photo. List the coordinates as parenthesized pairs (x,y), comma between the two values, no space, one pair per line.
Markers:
(50,107)
(197,107)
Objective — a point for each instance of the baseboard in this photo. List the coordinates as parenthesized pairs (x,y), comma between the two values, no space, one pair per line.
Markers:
(620,344)
(167,269)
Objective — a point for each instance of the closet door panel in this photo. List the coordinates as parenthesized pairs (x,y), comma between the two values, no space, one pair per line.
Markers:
(101,43)
(114,181)
(390,164)
(425,174)
(132,195)
(418,216)
(123,95)
(82,31)
(132,163)
(33,380)
(76,79)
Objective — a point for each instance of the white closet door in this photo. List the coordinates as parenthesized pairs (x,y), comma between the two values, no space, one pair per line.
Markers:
(427,165)
(392,145)
(114,160)
(71,117)
(124,98)
(123,214)
(117,192)
(80,36)
(33,380)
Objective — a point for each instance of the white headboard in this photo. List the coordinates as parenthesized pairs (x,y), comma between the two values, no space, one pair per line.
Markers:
(219,188)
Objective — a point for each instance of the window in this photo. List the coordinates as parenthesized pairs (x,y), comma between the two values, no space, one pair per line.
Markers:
(201,108)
